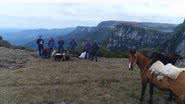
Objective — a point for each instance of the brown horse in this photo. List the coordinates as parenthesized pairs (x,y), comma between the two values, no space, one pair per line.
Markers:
(167,84)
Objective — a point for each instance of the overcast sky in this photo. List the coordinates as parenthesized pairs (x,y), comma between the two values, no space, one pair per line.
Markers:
(71,13)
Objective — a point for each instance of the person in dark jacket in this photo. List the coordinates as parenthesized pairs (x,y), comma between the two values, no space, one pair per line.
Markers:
(94,51)
(40,43)
(51,44)
(73,45)
(87,49)
(60,45)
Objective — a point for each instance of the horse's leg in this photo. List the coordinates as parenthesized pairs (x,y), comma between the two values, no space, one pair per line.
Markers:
(180,100)
(170,96)
(144,85)
(151,94)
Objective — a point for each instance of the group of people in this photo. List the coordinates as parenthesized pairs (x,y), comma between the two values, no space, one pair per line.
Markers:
(90,48)
(46,50)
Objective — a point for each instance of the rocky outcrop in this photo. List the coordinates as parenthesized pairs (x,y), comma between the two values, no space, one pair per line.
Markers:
(106,29)
(181,48)
(126,36)
(177,42)
(164,27)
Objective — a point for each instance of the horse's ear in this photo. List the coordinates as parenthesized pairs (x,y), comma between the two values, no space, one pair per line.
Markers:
(132,51)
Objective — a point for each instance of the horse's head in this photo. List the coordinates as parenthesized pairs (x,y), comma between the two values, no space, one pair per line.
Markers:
(132,59)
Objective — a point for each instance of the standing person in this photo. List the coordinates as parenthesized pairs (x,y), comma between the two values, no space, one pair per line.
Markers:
(40,43)
(60,45)
(51,44)
(87,49)
(94,51)
(73,45)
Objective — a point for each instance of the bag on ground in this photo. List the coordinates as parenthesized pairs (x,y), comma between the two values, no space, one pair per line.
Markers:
(82,56)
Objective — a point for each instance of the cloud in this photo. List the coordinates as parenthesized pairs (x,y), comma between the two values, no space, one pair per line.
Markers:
(70,13)
(89,1)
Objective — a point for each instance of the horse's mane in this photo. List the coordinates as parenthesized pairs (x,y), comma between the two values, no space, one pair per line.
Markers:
(164,58)
(156,56)
(146,54)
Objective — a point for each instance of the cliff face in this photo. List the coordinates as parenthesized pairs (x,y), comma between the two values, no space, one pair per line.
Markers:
(89,33)
(177,42)
(120,31)
(163,27)
(126,36)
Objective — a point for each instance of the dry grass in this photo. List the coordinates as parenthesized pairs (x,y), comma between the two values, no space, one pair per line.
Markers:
(80,81)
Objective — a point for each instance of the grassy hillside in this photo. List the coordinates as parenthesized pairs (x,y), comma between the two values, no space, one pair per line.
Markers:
(80,81)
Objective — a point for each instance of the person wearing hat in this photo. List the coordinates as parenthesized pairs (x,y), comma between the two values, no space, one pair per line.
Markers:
(40,43)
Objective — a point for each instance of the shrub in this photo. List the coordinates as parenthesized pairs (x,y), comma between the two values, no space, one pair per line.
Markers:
(104,52)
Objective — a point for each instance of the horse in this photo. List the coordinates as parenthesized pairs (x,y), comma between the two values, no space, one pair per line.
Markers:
(165,59)
(166,84)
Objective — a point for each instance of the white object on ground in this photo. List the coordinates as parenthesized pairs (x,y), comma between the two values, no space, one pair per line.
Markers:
(82,56)
(53,53)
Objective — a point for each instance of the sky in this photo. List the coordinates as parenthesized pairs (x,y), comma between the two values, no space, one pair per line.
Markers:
(72,13)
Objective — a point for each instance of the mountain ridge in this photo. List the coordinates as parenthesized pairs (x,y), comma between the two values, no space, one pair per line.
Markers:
(122,35)
(24,36)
